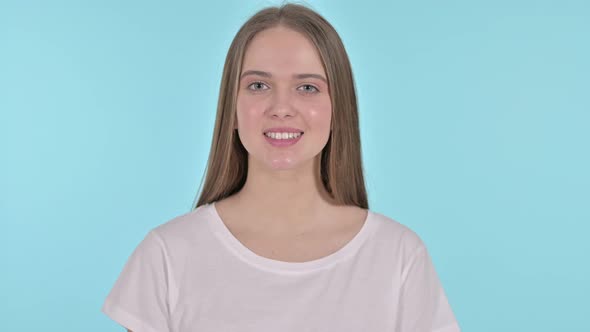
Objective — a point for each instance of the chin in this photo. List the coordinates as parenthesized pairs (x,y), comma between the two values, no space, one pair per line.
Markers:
(283,165)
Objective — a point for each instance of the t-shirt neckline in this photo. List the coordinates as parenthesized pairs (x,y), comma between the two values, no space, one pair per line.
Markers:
(244,253)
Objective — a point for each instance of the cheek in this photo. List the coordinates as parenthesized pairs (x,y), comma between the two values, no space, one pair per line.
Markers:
(247,113)
(321,115)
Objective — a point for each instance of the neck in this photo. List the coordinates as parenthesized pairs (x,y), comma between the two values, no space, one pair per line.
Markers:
(284,200)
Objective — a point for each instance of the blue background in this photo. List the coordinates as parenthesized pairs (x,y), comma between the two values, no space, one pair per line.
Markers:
(474,121)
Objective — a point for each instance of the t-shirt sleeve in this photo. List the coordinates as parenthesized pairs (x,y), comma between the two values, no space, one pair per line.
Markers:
(139,298)
(423,305)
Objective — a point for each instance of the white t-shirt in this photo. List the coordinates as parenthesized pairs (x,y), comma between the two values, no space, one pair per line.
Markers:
(192,274)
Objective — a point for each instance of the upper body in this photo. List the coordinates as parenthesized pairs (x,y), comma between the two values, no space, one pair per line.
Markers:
(193,274)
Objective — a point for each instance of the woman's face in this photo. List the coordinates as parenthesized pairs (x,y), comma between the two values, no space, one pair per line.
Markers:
(283,88)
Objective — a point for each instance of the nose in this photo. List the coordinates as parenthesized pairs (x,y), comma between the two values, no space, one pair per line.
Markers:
(281,105)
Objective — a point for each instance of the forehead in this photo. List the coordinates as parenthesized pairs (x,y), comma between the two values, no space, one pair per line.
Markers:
(282,50)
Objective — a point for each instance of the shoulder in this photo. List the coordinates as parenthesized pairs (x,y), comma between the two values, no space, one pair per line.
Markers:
(400,237)
(185,228)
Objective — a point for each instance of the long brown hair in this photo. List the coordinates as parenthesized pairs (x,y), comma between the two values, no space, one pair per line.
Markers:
(341,165)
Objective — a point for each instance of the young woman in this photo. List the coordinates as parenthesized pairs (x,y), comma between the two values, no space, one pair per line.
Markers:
(282,238)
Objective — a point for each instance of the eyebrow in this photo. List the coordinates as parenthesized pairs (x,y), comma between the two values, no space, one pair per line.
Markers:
(266,74)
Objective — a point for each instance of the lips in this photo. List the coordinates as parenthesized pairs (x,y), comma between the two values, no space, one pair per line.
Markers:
(283,130)
(283,142)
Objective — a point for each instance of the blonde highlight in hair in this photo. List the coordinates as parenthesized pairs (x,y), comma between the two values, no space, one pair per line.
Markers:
(341,164)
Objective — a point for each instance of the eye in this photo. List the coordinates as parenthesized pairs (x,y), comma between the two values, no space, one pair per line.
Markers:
(308,88)
(256,86)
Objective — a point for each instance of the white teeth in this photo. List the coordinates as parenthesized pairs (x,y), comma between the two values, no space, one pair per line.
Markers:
(283,135)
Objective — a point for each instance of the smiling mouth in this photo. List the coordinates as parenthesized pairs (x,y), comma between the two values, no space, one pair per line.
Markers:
(283,135)
(279,142)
